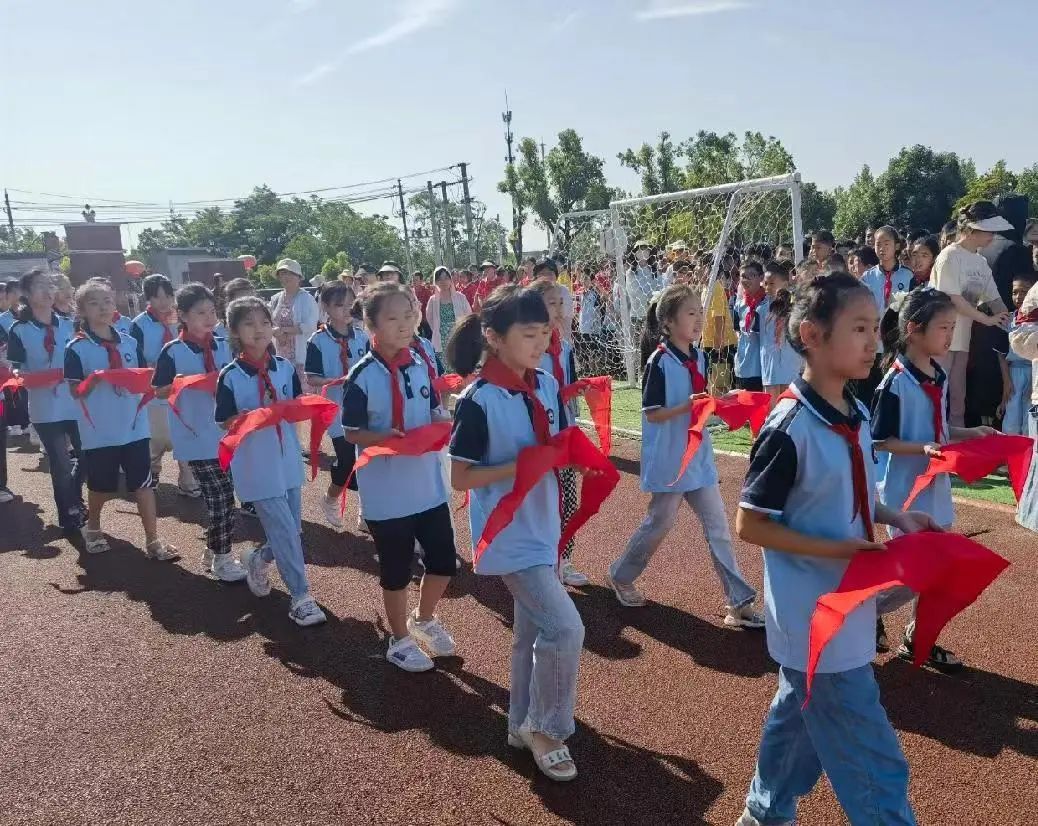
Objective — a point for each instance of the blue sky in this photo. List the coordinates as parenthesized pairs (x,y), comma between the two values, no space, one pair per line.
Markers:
(203,99)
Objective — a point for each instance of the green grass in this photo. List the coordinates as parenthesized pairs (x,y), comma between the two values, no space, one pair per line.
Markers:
(627,407)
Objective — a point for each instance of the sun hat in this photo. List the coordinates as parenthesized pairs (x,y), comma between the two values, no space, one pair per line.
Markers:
(290,265)
(984,216)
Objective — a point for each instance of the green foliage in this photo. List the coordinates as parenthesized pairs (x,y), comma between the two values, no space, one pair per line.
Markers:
(335,265)
(920,187)
(714,159)
(656,165)
(21,240)
(817,208)
(486,232)
(858,206)
(264,276)
(996,181)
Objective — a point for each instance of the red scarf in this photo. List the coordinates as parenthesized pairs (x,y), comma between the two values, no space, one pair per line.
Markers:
(344,348)
(416,345)
(115,357)
(167,336)
(497,373)
(863,495)
(752,302)
(262,368)
(400,361)
(691,364)
(207,345)
(888,285)
(1027,318)
(935,393)
(48,339)
(555,351)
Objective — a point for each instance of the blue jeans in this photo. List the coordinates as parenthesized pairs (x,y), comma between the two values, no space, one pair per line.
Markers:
(548,636)
(66,470)
(282,520)
(1027,510)
(844,731)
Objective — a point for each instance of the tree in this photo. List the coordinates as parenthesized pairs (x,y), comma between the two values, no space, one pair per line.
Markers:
(486,231)
(511,187)
(1027,184)
(817,208)
(20,240)
(996,181)
(920,187)
(655,164)
(858,206)
(333,266)
(721,159)
(577,177)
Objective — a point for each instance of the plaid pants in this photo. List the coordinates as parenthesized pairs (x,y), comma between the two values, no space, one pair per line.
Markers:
(218,494)
(570,503)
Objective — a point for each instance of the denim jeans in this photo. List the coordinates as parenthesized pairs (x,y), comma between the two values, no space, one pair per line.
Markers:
(281,521)
(548,636)
(843,731)
(1027,510)
(663,514)
(66,469)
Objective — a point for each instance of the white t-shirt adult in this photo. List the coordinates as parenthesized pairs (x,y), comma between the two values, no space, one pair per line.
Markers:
(957,271)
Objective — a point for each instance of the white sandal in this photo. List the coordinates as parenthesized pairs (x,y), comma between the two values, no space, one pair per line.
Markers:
(161,551)
(546,763)
(95,541)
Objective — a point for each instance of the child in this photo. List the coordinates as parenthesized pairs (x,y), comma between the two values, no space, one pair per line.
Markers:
(235,288)
(331,353)
(193,430)
(154,329)
(560,362)
(747,324)
(402,498)
(512,406)
(674,375)
(861,260)
(890,276)
(779,362)
(267,467)
(924,252)
(1016,370)
(8,305)
(808,501)
(64,297)
(910,423)
(36,343)
(112,427)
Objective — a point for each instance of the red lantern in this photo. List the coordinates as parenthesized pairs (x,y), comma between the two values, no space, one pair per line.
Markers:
(248,261)
(134,269)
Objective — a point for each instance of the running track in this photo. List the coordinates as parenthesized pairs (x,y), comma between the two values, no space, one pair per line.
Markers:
(140,693)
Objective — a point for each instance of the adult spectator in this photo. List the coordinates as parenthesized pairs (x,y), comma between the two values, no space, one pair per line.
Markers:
(962,273)
(446,307)
(366,275)
(817,262)
(422,291)
(642,282)
(390,272)
(295,314)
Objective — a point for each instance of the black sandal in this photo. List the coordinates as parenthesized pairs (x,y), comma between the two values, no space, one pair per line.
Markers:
(882,643)
(940,659)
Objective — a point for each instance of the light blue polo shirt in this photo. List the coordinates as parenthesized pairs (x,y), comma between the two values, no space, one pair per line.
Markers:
(569,369)
(221,331)
(124,324)
(747,351)
(25,351)
(875,279)
(392,487)
(265,466)
(800,475)
(323,359)
(779,362)
(150,333)
(194,433)
(430,352)
(7,320)
(491,426)
(666,383)
(114,416)
(902,410)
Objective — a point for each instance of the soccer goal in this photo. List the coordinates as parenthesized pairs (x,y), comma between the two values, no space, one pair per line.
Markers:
(620,257)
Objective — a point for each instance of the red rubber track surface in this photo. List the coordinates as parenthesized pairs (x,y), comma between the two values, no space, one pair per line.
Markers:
(134,692)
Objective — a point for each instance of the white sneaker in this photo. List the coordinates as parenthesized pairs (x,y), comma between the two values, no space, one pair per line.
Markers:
(405,654)
(305,612)
(743,617)
(226,568)
(207,561)
(34,437)
(432,635)
(6,496)
(627,595)
(331,510)
(749,820)
(257,572)
(571,576)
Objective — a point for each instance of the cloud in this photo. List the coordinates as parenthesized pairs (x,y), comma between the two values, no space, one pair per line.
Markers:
(319,71)
(412,16)
(558,25)
(666,9)
(300,6)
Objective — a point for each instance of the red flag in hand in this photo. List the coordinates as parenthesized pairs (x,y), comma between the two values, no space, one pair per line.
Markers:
(947,571)
(598,393)
(417,442)
(450,383)
(974,459)
(319,412)
(204,382)
(735,409)
(570,447)
(134,380)
(38,380)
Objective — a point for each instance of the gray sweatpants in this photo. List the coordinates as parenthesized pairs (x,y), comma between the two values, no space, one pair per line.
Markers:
(663,513)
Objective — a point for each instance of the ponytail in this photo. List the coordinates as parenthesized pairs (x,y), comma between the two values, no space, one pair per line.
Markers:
(465,346)
(780,307)
(651,333)
(504,307)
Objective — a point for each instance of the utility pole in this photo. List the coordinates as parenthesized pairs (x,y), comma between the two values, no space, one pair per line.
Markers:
(468,213)
(435,225)
(542,150)
(407,238)
(10,218)
(517,229)
(448,226)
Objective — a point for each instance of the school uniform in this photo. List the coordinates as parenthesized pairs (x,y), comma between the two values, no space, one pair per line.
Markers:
(267,467)
(1015,419)
(16,406)
(800,475)
(430,354)
(114,431)
(402,498)
(667,382)
(7,320)
(884,285)
(123,323)
(491,426)
(779,362)
(196,435)
(747,351)
(52,411)
(567,476)
(324,353)
(153,335)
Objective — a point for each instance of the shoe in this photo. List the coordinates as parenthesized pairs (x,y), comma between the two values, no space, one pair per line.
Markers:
(571,576)
(549,762)
(248,509)
(190,493)
(882,643)
(306,612)
(207,561)
(362,525)
(34,438)
(161,551)
(5,496)
(743,617)
(627,595)
(432,635)
(331,510)
(257,572)
(226,568)
(94,541)
(404,653)
(940,659)
(749,820)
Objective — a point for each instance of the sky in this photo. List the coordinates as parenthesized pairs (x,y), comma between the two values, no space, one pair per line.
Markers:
(204,99)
